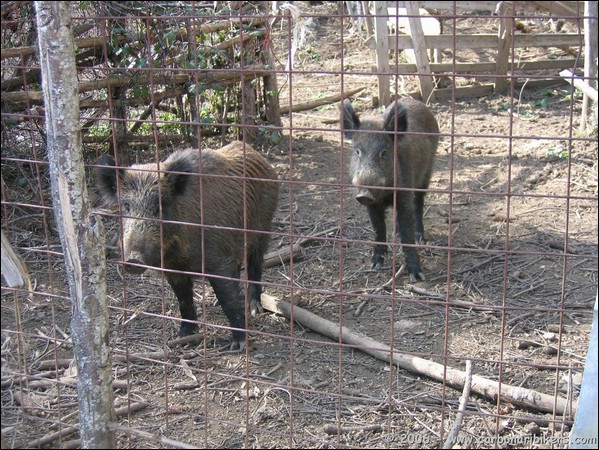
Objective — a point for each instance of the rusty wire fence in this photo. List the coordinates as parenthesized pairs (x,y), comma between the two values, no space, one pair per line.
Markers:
(487,351)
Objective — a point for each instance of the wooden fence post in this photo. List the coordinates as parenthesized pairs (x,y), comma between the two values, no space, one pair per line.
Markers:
(382,51)
(505,35)
(590,56)
(425,78)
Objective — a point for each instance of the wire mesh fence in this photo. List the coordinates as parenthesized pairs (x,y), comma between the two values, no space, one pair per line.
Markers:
(481,342)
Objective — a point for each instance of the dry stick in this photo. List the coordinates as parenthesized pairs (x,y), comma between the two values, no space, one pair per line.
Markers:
(25,378)
(284,255)
(456,378)
(70,430)
(333,429)
(150,436)
(457,426)
(320,102)
(468,269)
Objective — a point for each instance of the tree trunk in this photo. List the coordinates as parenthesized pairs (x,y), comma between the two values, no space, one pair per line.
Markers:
(81,233)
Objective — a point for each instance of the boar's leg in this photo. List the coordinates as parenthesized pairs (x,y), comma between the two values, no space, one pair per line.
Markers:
(183,287)
(419,211)
(228,293)
(254,274)
(377,219)
(404,216)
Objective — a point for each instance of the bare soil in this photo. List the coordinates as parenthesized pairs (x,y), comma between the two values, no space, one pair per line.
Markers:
(510,260)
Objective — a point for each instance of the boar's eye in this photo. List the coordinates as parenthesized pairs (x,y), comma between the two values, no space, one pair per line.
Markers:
(358,153)
(126,207)
(383,155)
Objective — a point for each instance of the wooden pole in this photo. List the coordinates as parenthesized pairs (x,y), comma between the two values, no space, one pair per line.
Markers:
(382,51)
(505,34)
(81,232)
(590,57)
(425,78)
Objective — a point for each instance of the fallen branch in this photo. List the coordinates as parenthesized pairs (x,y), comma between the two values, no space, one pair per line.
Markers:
(579,84)
(482,386)
(149,436)
(14,268)
(284,255)
(70,430)
(202,77)
(319,102)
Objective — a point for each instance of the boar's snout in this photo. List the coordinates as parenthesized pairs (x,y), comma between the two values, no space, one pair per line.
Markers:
(365,197)
(135,258)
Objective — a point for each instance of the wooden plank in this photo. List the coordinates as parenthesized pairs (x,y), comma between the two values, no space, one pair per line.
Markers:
(463,41)
(425,78)
(487,89)
(460,6)
(546,64)
(449,67)
(548,40)
(465,91)
(480,68)
(477,41)
(381,44)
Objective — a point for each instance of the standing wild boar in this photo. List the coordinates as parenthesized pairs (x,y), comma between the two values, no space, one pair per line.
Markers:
(178,220)
(396,150)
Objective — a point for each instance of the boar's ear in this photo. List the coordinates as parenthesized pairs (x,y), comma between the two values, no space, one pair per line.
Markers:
(106,178)
(349,119)
(393,112)
(176,179)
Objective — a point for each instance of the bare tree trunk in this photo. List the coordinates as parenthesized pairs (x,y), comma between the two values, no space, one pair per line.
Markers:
(81,233)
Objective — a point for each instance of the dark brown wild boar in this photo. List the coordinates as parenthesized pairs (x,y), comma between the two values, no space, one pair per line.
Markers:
(386,155)
(175,219)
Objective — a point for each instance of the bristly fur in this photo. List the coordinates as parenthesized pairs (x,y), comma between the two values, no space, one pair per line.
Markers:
(198,211)
(395,150)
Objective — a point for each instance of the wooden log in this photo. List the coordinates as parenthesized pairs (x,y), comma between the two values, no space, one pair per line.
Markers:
(320,102)
(489,389)
(579,84)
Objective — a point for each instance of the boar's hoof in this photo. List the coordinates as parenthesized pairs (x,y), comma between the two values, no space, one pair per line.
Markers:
(417,276)
(255,308)
(378,262)
(187,329)
(237,346)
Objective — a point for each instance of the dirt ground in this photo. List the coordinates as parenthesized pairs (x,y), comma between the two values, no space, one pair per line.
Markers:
(514,182)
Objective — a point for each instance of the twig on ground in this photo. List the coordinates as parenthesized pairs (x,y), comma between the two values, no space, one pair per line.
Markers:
(67,431)
(463,403)
(284,255)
